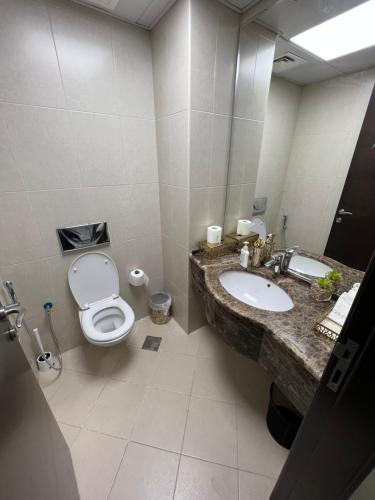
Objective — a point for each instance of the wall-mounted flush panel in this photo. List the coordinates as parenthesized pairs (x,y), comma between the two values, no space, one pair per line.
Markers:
(73,239)
(260,205)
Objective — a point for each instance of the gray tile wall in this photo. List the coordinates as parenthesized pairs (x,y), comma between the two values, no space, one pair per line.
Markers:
(78,144)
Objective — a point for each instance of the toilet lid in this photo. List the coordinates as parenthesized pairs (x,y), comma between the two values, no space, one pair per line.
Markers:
(259,226)
(93,276)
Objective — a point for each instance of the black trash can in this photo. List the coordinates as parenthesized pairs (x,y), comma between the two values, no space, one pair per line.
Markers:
(283,421)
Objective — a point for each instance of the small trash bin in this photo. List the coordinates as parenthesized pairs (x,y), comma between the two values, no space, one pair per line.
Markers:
(160,307)
(283,421)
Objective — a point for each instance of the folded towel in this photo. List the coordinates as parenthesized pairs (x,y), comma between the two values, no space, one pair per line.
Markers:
(343,305)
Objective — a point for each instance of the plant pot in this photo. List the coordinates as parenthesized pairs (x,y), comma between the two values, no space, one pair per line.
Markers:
(320,294)
(336,286)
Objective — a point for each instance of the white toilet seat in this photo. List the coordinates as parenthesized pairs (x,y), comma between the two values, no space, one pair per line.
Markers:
(107,309)
(106,319)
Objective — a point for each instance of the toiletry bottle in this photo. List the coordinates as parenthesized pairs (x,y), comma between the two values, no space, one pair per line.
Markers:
(269,246)
(244,256)
(257,253)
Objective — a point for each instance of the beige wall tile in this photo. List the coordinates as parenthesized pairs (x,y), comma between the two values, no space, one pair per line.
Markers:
(327,129)
(226,58)
(84,50)
(17,213)
(133,66)
(280,122)
(42,146)
(25,30)
(98,141)
(207,206)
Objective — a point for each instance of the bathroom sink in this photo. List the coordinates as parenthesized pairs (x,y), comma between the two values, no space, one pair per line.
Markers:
(256,291)
(308,266)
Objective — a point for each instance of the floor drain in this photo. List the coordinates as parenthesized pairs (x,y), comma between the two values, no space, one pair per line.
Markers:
(151,343)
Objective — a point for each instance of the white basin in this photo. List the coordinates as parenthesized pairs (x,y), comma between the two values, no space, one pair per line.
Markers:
(256,291)
(308,266)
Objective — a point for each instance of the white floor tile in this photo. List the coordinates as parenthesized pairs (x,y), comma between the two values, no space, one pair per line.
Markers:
(75,397)
(92,359)
(215,379)
(70,433)
(255,487)
(145,474)
(115,411)
(211,431)
(180,342)
(145,327)
(49,382)
(211,345)
(96,460)
(174,372)
(137,365)
(161,420)
(257,451)
(198,480)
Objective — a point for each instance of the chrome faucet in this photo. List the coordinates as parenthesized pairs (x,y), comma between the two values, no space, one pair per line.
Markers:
(14,308)
(10,309)
(280,263)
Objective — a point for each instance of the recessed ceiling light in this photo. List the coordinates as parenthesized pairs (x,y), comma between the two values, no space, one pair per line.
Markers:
(344,34)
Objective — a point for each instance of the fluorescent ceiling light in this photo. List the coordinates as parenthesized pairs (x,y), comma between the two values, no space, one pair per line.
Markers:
(344,34)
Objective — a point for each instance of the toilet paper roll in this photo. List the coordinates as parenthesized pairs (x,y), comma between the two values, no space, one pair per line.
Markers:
(214,234)
(243,227)
(138,277)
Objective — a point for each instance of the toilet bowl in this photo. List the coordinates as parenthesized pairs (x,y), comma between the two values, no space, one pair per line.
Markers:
(106,319)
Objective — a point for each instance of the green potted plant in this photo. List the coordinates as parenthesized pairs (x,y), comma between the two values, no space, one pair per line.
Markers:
(321,289)
(336,278)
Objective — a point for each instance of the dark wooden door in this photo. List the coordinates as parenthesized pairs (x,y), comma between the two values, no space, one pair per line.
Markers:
(35,462)
(352,237)
(334,451)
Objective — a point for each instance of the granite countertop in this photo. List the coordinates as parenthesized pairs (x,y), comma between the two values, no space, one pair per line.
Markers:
(293,330)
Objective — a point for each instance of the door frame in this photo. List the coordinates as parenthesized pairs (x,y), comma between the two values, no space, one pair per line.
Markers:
(330,457)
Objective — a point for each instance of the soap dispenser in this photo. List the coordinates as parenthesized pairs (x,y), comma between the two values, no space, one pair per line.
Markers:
(244,256)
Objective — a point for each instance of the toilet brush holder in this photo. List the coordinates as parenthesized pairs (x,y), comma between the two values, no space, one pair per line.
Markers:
(43,365)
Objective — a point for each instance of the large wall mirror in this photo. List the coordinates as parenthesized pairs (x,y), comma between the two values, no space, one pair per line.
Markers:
(311,176)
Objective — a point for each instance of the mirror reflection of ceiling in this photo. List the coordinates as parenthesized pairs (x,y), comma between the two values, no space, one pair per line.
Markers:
(286,17)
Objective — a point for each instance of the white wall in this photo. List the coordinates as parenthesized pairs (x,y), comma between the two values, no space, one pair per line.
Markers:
(77,145)
(279,125)
(329,121)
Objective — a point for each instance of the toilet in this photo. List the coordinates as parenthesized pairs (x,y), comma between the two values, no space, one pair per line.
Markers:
(106,319)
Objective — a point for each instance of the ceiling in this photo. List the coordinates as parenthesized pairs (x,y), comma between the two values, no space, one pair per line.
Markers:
(286,17)
(146,13)
(290,17)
